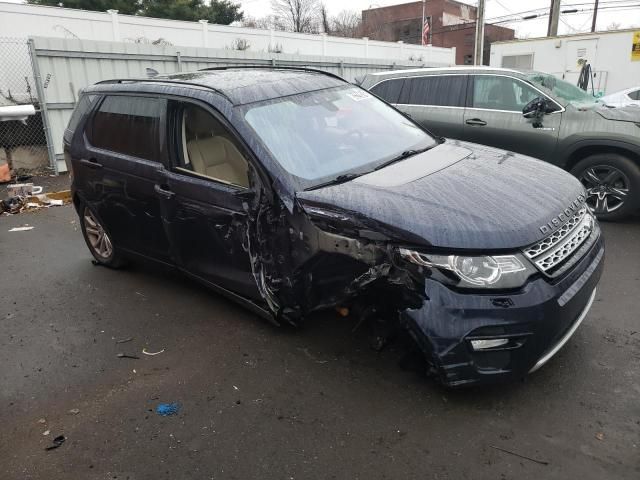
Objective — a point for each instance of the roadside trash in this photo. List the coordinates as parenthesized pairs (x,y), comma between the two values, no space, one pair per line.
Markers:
(20,229)
(74,411)
(600,436)
(42,420)
(5,173)
(23,190)
(11,205)
(124,340)
(46,432)
(541,462)
(144,350)
(57,442)
(126,355)
(166,409)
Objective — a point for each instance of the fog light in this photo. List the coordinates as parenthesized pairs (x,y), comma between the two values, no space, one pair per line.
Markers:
(486,344)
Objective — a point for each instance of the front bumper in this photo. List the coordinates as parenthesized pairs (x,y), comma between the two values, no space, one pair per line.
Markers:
(537,321)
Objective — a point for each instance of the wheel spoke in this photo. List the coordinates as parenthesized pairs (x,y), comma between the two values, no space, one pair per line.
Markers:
(611,177)
(591,176)
(619,193)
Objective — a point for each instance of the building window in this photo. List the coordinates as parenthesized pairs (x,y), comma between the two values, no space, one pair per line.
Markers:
(468,59)
(522,62)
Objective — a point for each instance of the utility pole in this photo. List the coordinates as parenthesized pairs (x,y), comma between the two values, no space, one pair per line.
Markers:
(479,50)
(595,16)
(554,18)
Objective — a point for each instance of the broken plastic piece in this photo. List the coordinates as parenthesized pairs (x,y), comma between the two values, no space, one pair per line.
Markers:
(124,340)
(144,350)
(126,355)
(57,442)
(20,229)
(166,409)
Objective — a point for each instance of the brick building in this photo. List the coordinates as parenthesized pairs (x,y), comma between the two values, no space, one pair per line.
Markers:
(452,25)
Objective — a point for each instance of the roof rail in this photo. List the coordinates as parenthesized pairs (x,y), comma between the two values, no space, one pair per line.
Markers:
(275,67)
(162,80)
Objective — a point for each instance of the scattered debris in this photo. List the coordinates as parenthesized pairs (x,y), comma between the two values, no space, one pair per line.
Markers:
(144,350)
(126,355)
(541,462)
(166,409)
(46,432)
(20,229)
(42,420)
(124,340)
(74,411)
(235,388)
(23,190)
(310,356)
(57,442)
(600,436)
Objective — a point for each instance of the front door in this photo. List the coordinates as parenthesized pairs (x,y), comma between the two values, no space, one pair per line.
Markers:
(494,117)
(204,200)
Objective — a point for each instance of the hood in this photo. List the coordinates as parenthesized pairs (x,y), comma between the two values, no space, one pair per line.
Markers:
(622,114)
(456,195)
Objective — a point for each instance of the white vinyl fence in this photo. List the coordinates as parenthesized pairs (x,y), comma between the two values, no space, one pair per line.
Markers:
(63,66)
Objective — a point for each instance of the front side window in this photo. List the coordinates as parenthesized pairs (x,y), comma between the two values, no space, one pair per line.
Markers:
(129,125)
(501,93)
(319,135)
(208,149)
(435,90)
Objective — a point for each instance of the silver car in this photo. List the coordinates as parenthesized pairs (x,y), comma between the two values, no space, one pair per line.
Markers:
(531,113)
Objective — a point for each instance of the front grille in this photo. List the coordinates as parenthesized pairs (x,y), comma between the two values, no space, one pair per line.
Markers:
(552,251)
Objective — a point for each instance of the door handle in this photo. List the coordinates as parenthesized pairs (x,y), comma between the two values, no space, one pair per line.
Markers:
(91,163)
(163,191)
(476,122)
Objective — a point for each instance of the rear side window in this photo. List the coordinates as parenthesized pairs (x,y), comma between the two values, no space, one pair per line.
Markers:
(389,90)
(635,95)
(82,108)
(436,90)
(129,125)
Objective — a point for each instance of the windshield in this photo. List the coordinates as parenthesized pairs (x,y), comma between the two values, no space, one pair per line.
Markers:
(318,136)
(561,89)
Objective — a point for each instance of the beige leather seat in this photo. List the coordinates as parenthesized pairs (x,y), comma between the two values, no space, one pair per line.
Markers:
(218,158)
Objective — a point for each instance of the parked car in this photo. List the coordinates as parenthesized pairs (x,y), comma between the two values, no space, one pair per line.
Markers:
(291,190)
(625,98)
(530,113)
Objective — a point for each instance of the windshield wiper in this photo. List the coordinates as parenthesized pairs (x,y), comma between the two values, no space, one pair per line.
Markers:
(402,156)
(335,181)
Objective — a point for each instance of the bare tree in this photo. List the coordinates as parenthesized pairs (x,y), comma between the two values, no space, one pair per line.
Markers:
(347,24)
(325,21)
(268,22)
(298,15)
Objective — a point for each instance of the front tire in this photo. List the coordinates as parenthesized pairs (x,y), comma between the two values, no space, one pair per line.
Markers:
(612,182)
(98,240)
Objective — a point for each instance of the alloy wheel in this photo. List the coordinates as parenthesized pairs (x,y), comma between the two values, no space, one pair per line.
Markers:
(98,238)
(607,188)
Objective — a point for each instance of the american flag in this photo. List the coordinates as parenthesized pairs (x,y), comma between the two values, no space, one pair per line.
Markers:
(425,30)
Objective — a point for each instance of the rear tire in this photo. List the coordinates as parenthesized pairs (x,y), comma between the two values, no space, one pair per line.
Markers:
(612,182)
(98,239)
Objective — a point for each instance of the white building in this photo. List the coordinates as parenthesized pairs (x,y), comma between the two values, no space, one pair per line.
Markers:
(609,53)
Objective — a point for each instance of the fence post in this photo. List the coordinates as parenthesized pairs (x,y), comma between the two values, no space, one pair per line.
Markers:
(115,25)
(205,32)
(324,44)
(271,44)
(366,47)
(44,114)
(401,45)
(179,59)
(342,68)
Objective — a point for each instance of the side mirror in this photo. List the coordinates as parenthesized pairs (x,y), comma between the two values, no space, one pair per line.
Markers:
(536,108)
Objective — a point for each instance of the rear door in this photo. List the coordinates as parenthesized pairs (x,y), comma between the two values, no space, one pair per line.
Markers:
(205,193)
(494,117)
(436,102)
(124,158)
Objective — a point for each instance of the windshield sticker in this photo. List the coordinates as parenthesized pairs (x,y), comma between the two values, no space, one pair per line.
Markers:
(358,95)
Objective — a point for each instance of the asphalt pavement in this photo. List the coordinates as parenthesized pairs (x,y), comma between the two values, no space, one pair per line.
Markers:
(258,402)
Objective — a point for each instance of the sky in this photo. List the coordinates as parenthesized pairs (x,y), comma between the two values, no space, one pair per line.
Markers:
(569,23)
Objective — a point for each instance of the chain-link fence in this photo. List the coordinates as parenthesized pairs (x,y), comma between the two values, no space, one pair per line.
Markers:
(23,144)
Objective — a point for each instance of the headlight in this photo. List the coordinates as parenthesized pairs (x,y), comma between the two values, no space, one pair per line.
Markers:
(497,271)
